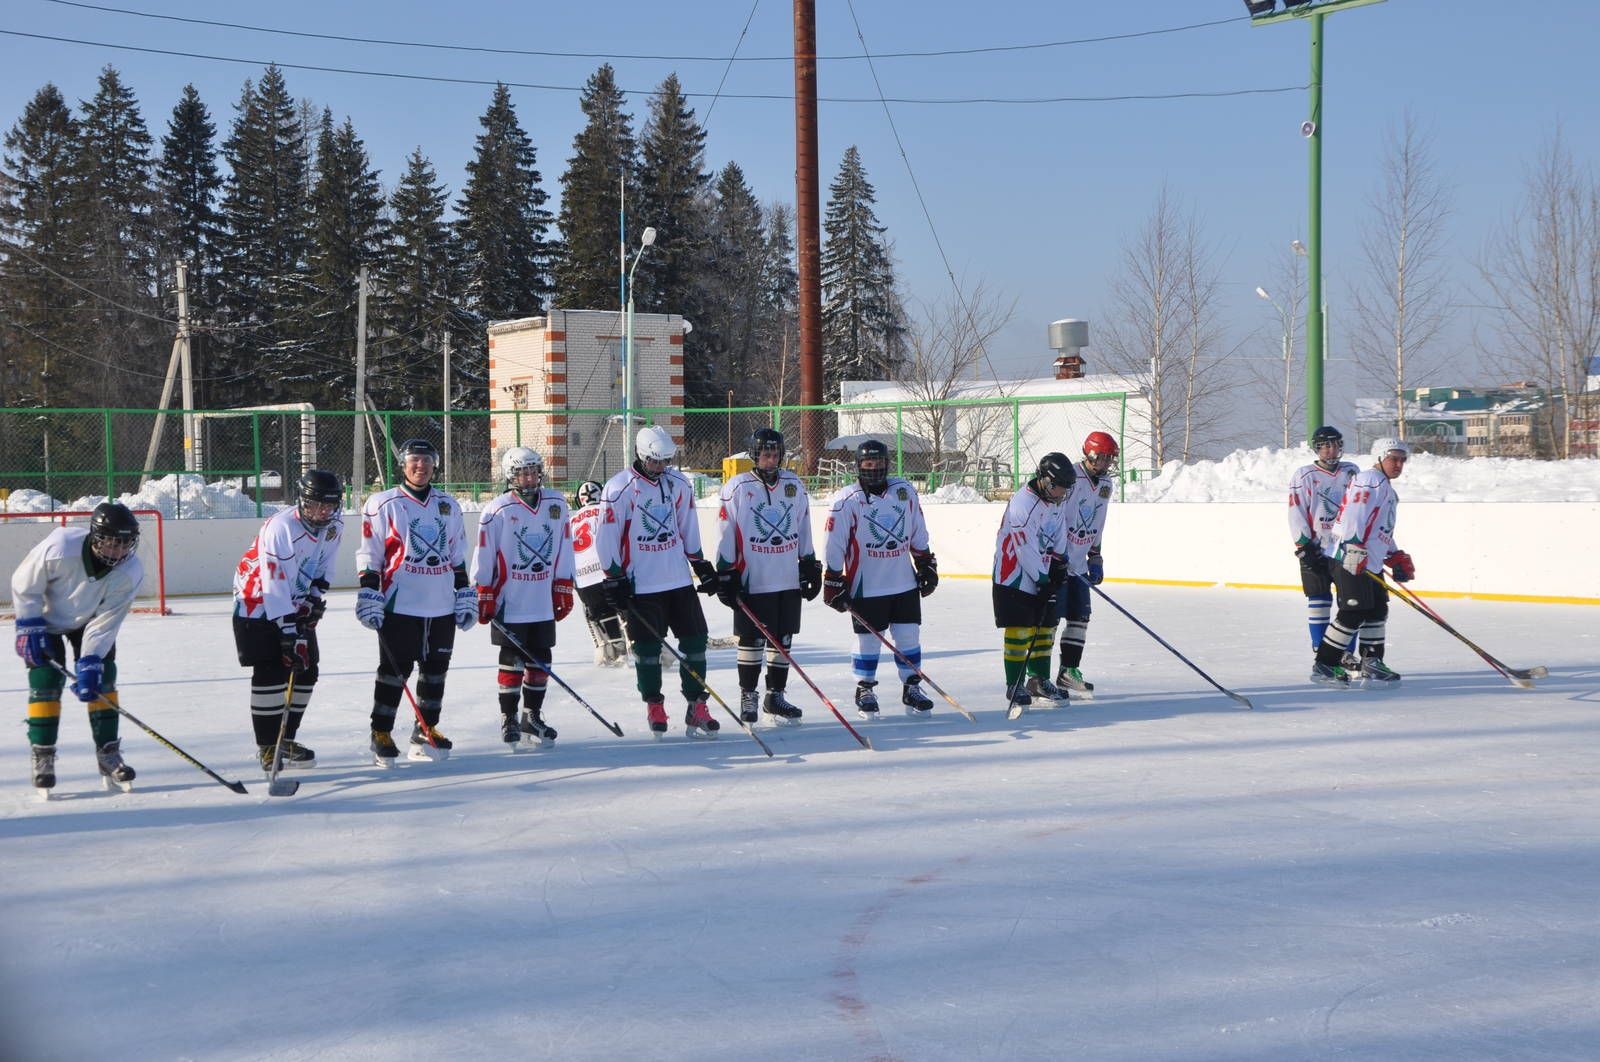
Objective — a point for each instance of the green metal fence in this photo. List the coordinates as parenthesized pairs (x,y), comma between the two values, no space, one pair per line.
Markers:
(70,455)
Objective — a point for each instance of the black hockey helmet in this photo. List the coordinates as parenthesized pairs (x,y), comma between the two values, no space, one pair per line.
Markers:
(765,439)
(588,493)
(871,450)
(1056,469)
(113,523)
(1326,434)
(318,485)
(418,448)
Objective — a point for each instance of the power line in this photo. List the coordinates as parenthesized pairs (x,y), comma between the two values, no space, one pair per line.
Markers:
(728,68)
(485,49)
(783,97)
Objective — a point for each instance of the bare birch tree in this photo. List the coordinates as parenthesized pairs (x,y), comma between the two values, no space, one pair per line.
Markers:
(1541,270)
(1279,378)
(1400,305)
(1203,338)
(947,359)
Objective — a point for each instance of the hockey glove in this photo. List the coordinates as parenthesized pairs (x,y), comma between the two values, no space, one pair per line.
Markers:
(293,646)
(833,594)
(466,608)
(1401,566)
(1057,573)
(561,598)
(728,587)
(1097,569)
(310,612)
(91,673)
(1311,556)
(705,574)
(619,593)
(488,600)
(33,642)
(369,608)
(1355,559)
(927,566)
(810,578)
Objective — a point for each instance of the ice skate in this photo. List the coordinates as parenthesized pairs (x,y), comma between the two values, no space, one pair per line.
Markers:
(1019,700)
(384,750)
(1330,675)
(1044,692)
(866,700)
(777,707)
(917,703)
(511,731)
(297,756)
(656,712)
(421,749)
(113,772)
(44,770)
(749,706)
(1350,662)
(536,733)
(697,721)
(1376,673)
(1071,682)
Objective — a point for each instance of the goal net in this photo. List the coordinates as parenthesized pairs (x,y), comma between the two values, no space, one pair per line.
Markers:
(20,532)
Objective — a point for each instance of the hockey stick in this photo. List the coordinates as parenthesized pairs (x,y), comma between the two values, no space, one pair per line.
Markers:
(798,670)
(1013,709)
(683,663)
(274,786)
(898,655)
(427,731)
(1238,698)
(1522,678)
(237,787)
(526,655)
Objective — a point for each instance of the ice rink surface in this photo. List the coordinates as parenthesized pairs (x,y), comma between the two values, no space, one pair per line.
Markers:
(1405,874)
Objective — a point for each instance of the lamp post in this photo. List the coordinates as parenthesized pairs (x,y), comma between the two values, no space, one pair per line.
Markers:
(1288,346)
(646,238)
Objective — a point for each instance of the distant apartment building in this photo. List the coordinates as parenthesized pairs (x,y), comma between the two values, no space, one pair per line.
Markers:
(1512,420)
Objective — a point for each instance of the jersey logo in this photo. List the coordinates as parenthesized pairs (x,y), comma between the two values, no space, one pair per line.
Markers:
(1105,491)
(657,520)
(534,556)
(421,546)
(788,490)
(444,508)
(886,538)
(555,512)
(900,493)
(774,523)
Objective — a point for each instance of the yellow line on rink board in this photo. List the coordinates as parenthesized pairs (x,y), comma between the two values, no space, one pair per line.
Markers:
(1535,599)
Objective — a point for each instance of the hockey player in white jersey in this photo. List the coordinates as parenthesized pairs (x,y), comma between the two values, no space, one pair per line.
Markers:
(878,564)
(605,626)
(1083,524)
(765,559)
(1315,494)
(412,567)
(522,568)
(1363,535)
(1029,567)
(648,541)
(278,599)
(76,587)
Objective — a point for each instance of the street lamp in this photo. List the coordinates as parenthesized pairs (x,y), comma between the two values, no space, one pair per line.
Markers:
(646,238)
(1288,345)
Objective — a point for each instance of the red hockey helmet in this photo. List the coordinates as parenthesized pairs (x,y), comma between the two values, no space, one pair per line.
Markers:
(1099,442)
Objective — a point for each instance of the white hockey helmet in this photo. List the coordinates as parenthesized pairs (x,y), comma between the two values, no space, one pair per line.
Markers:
(518,458)
(1383,447)
(655,444)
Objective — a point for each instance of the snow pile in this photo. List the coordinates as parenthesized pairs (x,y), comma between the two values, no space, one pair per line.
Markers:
(1263,474)
(189,497)
(953,494)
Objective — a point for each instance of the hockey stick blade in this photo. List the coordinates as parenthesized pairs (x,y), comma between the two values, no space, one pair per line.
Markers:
(282,787)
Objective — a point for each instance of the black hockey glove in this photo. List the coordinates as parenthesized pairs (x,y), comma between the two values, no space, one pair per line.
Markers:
(294,647)
(1057,573)
(833,594)
(728,587)
(1311,556)
(810,578)
(619,593)
(927,566)
(705,574)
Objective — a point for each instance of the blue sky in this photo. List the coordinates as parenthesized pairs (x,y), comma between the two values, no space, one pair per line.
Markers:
(1033,201)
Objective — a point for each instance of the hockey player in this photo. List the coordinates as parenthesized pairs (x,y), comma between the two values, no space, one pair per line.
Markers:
(76,587)
(415,593)
(1029,567)
(279,590)
(765,559)
(879,564)
(1083,519)
(605,626)
(522,567)
(1363,535)
(1315,493)
(648,541)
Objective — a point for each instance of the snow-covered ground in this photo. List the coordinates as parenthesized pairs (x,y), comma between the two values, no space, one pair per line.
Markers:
(1157,874)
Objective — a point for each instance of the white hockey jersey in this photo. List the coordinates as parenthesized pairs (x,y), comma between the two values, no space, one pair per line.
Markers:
(56,580)
(1030,534)
(1315,495)
(764,531)
(1367,517)
(871,538)
(648,530)
(415,547)
(523,548)
(584,528)
(275,574)
(1083,518)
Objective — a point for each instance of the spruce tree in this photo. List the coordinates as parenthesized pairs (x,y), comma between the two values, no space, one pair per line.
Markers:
(733,284)
(604,155)
(780,299)
(862,322)
(187,176)
(420,284)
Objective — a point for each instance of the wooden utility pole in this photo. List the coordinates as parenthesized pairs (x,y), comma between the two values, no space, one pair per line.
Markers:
(358,473)
(808,225)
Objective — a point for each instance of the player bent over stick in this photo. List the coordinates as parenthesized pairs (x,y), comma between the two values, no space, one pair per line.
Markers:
(1083,521)
(522,567)
(77,586)
(1029,568)
(879,566)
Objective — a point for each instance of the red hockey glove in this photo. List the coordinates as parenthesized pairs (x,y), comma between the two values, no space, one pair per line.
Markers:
(487,600)
(561,598)
(1401,566)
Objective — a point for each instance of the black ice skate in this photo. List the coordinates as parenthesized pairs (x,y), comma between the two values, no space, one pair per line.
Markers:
(44,769)
(113,772)
(297,756)
(777,706)
(1330,675)
(1377,673)
(1044,691)
(656,712)
(384,750)
(510,731)
(1019,700)
(421,749)
(917,703)
(536,733)
(1350,662)
(749,706)
(866,700)
(1073,684)
(697,721)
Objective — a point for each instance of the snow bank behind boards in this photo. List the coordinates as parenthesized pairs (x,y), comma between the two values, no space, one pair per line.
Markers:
(1522,549)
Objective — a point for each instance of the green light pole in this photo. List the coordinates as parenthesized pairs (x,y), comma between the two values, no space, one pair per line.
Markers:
(1314,13)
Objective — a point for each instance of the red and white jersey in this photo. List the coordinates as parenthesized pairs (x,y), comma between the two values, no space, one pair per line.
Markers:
(1083,518)
(648,530)
(1315,495)
(584,528)
(57,581)
(764,531)
(1367,516)
(275,574)
(415,547)
(871,538)
(1030,534)
(523,548)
